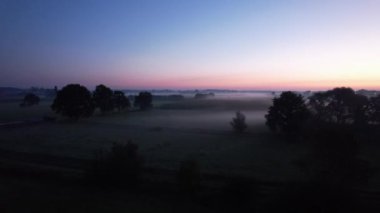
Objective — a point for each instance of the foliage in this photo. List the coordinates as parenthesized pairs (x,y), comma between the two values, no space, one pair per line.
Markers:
(189,176)
(204,95)
(103,98)
(238,123)
(340,105)
(143,100)
(30,99)
(120,101)
(374,110)
(288,113)
(121,166)
(73,101)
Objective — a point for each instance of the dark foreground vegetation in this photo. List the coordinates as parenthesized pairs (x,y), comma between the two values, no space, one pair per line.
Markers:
(330,127)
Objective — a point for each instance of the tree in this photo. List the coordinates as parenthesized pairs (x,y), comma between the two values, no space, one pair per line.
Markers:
(340,105)
(238,123)
(143,100)
(374,110)
(103,98)
(73,101)
(120,101)
(288,113)
(30,99)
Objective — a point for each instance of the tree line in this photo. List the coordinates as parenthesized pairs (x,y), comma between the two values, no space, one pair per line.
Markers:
(76,101)
(333,124)
(292,113)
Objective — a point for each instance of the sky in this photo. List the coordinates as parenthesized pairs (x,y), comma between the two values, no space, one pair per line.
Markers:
(197,44)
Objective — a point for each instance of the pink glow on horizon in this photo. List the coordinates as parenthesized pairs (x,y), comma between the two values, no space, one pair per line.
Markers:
(244,84)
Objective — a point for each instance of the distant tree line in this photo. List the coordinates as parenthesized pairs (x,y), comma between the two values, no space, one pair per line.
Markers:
(291,112)
(76,101)
(204,95)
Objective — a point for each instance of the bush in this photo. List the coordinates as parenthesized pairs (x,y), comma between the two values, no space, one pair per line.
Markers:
(121,166)
(189,176)
(238,123)
(30,99)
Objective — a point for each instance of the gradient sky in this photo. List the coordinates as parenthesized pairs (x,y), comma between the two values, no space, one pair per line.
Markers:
(197,44)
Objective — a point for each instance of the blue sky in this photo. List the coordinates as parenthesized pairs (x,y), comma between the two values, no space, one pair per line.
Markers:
(183,44)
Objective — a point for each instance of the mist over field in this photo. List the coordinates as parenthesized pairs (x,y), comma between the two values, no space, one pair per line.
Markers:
(39,143)
(189,106)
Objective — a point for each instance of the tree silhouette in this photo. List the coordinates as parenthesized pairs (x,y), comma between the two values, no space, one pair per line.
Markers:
(103,98)
(30,99)
(73,101)
(374,110)
(120,101)
(238,123)
(143,100)
(288,113)
(340,105)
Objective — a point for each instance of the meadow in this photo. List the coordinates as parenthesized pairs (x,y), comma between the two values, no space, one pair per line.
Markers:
(166,135)
(171,132)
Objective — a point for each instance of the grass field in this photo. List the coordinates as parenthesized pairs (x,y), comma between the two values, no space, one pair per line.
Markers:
(166,135)
(11,111)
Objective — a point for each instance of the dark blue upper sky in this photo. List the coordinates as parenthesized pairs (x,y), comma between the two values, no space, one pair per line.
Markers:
(189,44)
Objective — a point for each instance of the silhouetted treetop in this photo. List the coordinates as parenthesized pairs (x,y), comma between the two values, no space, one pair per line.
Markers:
(340,105)
(288,113)
(103,98)
(143,100)
(73,101)
(120,101)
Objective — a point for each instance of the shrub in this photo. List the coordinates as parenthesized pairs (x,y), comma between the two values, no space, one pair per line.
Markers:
(189,176)
(30,99)
(121,166)
(238,123)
